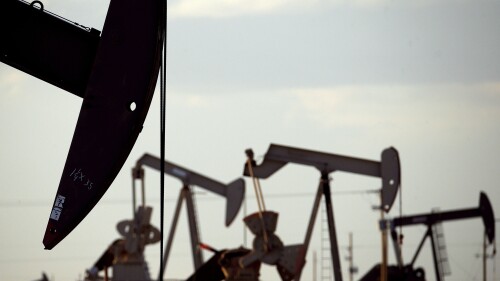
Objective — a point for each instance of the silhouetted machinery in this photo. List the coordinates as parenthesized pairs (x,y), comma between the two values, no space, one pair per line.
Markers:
(126,255)
(388,169)
(243,264)
(44,277)
(234,192)
(434,232)
(114,72)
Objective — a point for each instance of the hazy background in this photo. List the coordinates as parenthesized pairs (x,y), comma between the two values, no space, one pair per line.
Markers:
(343,77)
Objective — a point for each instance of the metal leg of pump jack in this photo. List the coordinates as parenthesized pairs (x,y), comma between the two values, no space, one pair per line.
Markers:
(434,255)
(337,273)
(324,190)
(193,228)
(172,230)
(185,194)
(312,219)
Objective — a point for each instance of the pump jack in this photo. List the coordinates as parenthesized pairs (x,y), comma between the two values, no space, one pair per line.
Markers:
(241,264)
(234,193)
(484,210)
(114,72)
(126,255)
(388,169)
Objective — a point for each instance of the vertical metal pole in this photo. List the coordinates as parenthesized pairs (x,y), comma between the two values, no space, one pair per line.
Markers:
(163,94)
(351,266)
(334,247)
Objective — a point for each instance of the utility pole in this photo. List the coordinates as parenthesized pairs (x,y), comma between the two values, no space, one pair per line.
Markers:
(351,267)
(350,258)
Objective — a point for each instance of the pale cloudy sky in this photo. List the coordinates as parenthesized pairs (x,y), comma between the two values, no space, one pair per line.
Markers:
(344,77)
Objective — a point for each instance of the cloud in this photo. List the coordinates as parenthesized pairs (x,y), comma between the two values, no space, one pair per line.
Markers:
(438,108)
(223,8)
(196,101)
(234,8)
(190,101)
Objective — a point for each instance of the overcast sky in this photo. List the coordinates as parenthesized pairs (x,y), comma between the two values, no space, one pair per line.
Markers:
(343,77)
